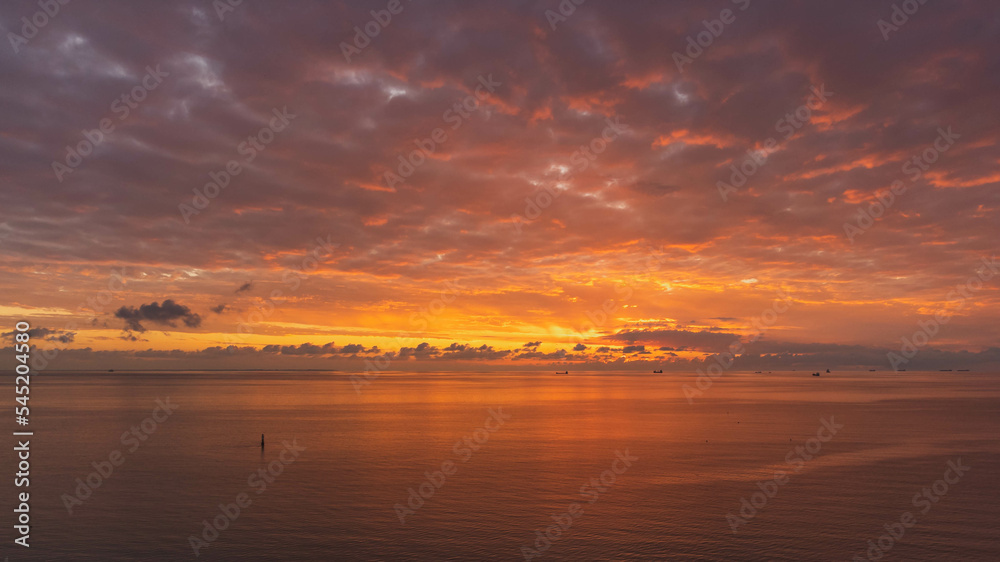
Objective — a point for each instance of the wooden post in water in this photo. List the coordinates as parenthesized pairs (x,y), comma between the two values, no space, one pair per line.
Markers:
(261,440)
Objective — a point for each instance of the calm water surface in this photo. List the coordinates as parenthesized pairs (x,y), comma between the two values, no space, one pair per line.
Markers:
(363,453)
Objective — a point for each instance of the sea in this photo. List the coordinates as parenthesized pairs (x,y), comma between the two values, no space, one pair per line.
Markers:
(507,466)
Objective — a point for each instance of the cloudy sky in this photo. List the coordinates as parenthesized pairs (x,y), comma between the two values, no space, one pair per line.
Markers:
(189,184)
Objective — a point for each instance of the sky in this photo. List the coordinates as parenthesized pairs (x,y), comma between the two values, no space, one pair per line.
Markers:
(501,185)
